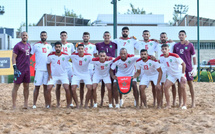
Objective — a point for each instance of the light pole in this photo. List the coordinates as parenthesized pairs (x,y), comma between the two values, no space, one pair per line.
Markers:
(181,9)
(26,15)
(198,40)
(2,10)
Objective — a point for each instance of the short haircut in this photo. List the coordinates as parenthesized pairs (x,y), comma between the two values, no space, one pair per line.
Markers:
(143,50)
(146,31)
(63,32)
(163,33)
(86,33)
(102,51)
(165,45)
(106,32)
(79,45)
(182,31)
(57,43)
(23,32)
(125,28)
(123,49)
(43,32)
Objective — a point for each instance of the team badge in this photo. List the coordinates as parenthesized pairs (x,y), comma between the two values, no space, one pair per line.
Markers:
(150,44)
(128,41)
(185,47)
(150,64)
(68,46)
(170,60)
(35,81)
(129,62)
(85,59)
(106,65)
(48,47)
(63,59)
(110,46)
(90,47)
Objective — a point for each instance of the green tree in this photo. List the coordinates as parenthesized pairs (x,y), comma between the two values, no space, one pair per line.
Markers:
(134,10)
(23,24)
(71,13)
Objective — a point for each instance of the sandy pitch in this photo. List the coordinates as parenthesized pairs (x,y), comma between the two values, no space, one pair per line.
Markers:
(103,120)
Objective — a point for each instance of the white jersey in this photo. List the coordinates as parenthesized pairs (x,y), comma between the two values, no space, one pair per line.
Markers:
(91,49)
(172,64)
(159,52)
(128,43)
(102,69)
(41,52)
(58,63)
(69,49)
(125,68)
(80,64)
(150,46)
(149,67)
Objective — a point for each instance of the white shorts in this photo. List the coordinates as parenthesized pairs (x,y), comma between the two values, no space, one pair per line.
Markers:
(41,77)
(173,79)
(164,75)
(145,80)
(69,75)
(58,79)
(97,79)
(91,72)
(77,79)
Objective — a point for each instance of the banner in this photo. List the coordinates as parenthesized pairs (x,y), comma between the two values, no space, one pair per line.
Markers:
(6,67)
(124,84)
(32,65)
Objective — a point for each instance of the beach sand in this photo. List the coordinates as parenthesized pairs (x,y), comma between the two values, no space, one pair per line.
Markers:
(127,119)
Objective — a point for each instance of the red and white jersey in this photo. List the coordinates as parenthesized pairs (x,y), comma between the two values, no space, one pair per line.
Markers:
(41,52)
(128,43)
(125,68)
(80,64)
(150,46)
(158,50)
(172,64)
(58,63)
(149,67)
(91,49)
(102,69)
(69,49)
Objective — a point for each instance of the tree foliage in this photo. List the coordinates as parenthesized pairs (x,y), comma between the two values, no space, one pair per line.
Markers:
(71,13)
(134,10)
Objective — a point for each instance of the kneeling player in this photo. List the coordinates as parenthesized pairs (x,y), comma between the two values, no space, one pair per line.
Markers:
(151,72)
(175,71)
(59,60)
(81,62)
(102,67)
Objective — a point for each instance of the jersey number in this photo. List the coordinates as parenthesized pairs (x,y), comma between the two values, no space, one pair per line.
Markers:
(167,64)
(124,43)
(58,62)
(80,63)
(146,47)
(146,67)
(85,50)
(102,67)
(125,65)
(65,49)
(44,50)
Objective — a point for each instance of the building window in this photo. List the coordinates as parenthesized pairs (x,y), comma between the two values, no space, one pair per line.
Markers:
(205,45)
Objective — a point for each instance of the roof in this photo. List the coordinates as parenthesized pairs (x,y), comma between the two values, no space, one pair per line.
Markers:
(56,20)
(136,19)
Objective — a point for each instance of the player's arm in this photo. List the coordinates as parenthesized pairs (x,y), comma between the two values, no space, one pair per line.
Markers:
(113,67)
(137,73)
(17,73)
(49,67)
(194,71)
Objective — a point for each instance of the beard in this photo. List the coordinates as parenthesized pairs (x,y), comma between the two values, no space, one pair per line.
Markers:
(43,39)
(163,41)
(85,41)
(124,35)
(58,51)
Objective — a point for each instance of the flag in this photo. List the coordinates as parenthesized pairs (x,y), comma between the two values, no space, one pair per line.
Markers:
(32,65)
(124,84)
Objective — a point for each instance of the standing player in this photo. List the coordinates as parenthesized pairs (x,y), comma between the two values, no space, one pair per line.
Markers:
(21,66)
(187,52)
(110,49)
(58,72)
(163,40)
(81,62)
(102,68)
(68,48)
(91,49)
(176,71)
(125,64)
(130,45)
(150,46)
(41,50)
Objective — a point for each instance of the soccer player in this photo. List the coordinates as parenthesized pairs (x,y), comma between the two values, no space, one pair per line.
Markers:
(68,48)
(176,71)
(102,68)
(125,64)
(81,62)
(21,66)
(91,49)
(163,40)
(58,72)
(130,45)
(187,52)
(152,73)
(41,50)
(150,46)
(110,49)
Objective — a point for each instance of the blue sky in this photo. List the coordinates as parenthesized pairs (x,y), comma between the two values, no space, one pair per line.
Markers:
(89,9)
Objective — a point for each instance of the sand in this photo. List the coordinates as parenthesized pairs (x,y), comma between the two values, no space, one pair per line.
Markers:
(128,119)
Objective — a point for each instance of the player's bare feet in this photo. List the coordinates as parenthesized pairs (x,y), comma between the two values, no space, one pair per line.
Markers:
(101,103)
(14,107)
(58,105)
(167,107)
(173,104)
(86,107)
(179,104)
(193,105)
